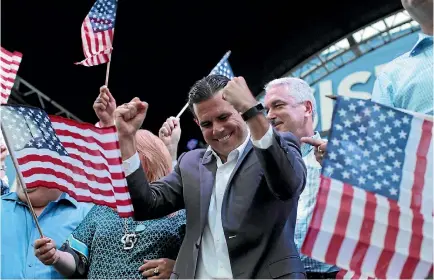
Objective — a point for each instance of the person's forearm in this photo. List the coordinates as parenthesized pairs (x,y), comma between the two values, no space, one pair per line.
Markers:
(258,126)
(66,264)
(127,146)
(173,151)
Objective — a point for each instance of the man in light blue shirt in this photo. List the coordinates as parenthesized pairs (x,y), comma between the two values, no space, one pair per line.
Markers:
(58,215)
(407,81)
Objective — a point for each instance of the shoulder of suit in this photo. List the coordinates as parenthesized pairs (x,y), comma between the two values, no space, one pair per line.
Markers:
(192,155)
(288,136)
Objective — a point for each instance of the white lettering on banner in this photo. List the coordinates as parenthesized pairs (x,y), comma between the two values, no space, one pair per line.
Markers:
(344,89)
(326,88)
(349,81)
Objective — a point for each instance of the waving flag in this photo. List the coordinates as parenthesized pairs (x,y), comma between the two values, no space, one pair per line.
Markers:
(77,158)
(9,64)
(97,33)
(223,67)
(374,214)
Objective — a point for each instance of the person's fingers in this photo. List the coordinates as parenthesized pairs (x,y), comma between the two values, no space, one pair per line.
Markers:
(164,132)
(171,123)
(311,141)
(104,98)
(151,264)
(48,255)
(168,128)
(110,96)
(46,248)
(99,107)
(40,242)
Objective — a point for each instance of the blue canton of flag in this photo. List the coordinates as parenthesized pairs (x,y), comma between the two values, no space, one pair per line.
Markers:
(30,127)
(223,67)
(103,14)
(367,146)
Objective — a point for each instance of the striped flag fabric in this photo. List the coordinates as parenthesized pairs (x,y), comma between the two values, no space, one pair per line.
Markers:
(77,158)
(374,213)
(10,62)
(344,274)
(223,67)
(97,33)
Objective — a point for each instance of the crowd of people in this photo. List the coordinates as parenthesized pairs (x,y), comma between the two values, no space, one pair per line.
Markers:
(239,208)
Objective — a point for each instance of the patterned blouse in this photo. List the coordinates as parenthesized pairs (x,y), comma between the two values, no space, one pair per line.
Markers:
(99,251)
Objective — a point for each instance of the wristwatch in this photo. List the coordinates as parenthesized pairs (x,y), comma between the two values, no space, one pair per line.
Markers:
(257,109)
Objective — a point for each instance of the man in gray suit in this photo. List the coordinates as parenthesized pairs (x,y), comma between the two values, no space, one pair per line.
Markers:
(240,194)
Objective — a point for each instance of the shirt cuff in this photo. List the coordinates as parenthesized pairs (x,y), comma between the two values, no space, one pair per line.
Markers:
(266,141)
(174,163)
(132,164)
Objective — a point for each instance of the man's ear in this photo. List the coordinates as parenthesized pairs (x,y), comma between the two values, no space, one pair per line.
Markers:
(196,121)
(309,108)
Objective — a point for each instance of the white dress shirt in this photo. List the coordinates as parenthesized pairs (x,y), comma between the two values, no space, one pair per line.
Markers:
(213,261)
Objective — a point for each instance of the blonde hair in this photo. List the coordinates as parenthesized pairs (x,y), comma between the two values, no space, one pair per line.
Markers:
(154,156)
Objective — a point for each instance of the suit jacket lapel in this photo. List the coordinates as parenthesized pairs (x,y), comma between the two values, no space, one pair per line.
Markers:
(207,171)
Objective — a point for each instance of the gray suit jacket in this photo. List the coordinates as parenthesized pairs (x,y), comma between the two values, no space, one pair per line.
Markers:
(259,207)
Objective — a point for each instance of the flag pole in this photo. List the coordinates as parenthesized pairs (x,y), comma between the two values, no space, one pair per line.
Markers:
(20,178)
(107,73)
(226,56)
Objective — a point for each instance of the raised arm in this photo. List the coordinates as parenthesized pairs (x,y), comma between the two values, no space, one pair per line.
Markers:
(157,199)
(149,200)
(279,155)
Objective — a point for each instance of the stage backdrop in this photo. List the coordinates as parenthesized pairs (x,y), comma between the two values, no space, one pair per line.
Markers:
(355,79)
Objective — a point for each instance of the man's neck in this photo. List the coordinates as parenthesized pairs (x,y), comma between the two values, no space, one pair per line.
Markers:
(428,30)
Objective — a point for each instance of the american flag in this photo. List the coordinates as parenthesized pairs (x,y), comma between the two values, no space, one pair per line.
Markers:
(10,62)
(77,158)
(97,33)
(344,274)
(374,214)
(223,67)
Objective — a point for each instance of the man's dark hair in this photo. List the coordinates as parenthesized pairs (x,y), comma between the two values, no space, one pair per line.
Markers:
(205,88)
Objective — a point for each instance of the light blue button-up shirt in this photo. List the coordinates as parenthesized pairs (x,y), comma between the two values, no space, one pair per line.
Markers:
(407,81)
(18,232)
(306,205)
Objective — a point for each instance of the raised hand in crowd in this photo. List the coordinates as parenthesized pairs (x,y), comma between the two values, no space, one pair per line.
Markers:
(104,107)
(238,94)
(320,147)
(157,269)
(170,133)
(129,118)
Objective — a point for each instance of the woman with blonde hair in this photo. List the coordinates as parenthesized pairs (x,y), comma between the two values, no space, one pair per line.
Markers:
(106,246)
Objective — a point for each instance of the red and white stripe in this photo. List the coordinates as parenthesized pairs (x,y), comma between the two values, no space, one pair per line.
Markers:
(372,235)
(344,274)
(97,46)
(91,173)
(9,64)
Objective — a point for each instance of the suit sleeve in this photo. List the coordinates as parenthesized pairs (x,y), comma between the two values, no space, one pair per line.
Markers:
(284,168)
(157,199)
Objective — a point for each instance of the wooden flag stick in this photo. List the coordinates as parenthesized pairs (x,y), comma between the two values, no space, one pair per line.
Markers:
(182,110)
(227,54)
(20,178)
(107,73)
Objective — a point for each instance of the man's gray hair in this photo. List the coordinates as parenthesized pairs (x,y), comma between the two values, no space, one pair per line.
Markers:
(297,88)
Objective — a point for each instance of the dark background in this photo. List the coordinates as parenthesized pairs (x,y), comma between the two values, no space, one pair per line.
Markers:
(161,48)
